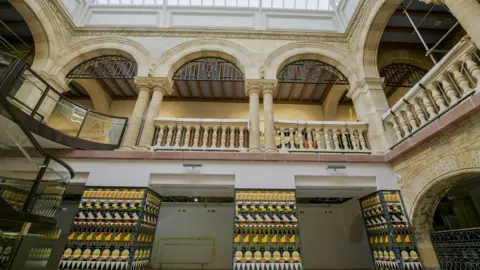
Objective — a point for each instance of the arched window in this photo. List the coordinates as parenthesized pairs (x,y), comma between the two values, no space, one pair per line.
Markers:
(308,81)
(209,69)
(209,78)
(307,71)
(400,75)
(105,67)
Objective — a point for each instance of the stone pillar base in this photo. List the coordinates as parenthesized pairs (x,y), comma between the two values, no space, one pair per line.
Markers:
(254,150)
(271,150)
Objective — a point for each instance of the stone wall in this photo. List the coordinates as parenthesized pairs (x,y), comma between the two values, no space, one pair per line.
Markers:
(428,171)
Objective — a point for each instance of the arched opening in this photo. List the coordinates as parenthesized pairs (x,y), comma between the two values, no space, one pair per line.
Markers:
(98,81)
(415,38)
(211,78)
(16,36)
(313,82)
(455,227)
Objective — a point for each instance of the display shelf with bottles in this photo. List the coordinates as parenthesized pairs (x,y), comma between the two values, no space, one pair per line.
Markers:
(114,229)
(266,230)
(389,232)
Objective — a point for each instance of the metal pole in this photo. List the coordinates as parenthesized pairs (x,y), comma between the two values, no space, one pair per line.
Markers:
(418,34)
(33,190)
(440,41)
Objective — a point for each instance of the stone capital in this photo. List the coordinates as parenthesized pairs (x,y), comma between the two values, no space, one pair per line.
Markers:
(364,85)
(260,86)
(163,85)
(152,84)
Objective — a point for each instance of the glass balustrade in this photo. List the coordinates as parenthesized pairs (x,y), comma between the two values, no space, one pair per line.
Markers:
(35,97)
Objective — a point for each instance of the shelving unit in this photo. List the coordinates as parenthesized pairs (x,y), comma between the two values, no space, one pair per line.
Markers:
(389,231)
(114,230)
(266,230)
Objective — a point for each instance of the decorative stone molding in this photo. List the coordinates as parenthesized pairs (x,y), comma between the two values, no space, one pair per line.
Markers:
(361,11)
(259,85)
(152,84)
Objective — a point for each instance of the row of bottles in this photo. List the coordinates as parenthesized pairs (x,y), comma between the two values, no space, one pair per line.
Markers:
(114,217)
(267,257)
(266,218)
(386,239)
(264,239)
(15,197)
(389,231)
(113,230)
(262,207)
(116,194)
(257,195)
(265,230)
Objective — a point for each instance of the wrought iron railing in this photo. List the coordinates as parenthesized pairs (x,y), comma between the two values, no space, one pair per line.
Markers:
(457,249)
(308,71)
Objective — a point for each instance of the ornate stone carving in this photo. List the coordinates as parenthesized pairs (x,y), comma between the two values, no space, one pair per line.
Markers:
(154,84)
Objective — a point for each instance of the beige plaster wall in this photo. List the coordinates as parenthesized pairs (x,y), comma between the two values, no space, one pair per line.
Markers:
(177,109)
(397,95)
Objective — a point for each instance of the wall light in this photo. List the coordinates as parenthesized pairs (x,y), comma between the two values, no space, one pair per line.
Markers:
(336,167)
(192,166)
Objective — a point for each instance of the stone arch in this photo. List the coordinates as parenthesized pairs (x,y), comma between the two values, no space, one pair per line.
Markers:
(83,51)
(370,38)
(46,35)
(414,58)
(307,51)
(173,59)
(426,201)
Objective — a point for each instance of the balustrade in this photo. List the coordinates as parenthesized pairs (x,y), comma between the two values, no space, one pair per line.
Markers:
(453,79)
(201,134)
(319,136)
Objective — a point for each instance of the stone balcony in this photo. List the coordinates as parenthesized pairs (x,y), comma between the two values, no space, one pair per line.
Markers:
(232,135)
(455,78)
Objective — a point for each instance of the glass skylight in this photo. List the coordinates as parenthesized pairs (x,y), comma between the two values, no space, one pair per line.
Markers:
(282,4)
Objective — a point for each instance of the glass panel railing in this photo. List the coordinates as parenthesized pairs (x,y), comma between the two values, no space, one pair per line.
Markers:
(102,129)
(32,184)
(35,97)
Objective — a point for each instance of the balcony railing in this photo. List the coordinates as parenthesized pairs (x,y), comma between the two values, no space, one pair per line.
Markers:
(194,134)
(453,79)
(38,100)
(322,136)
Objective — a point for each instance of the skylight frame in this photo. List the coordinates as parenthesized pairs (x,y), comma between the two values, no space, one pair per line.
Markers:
(298,5)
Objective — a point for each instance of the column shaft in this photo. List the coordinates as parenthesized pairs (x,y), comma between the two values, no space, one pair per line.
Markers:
(268,88)
(136,119)
(149,126)
(253,117)
(252,89)
(370,104)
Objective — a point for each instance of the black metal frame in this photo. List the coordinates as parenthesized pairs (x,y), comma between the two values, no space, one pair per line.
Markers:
(311,72)
(402,75)
(457,249)
(209,69)
(105,67)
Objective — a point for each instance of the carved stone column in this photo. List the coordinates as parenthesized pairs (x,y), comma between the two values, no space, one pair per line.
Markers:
(253,89)
(136,118)
(467,13)
(370,103)
(160,87)
(268,87)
